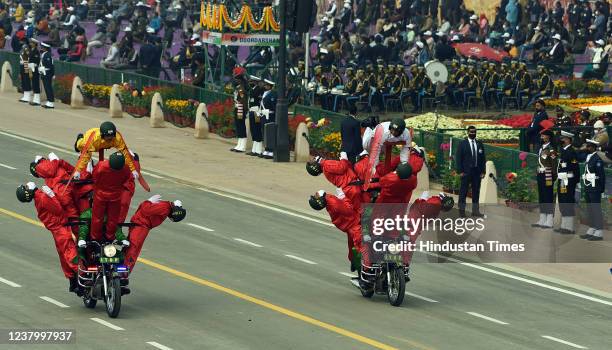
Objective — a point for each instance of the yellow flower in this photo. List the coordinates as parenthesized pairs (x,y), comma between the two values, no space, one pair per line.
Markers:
(321,122)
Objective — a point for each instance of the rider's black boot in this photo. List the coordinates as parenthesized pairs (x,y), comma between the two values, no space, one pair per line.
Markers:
(73,284)
(125,291)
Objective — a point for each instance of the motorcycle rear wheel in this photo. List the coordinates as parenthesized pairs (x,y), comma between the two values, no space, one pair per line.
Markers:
(112,299)
(396,287)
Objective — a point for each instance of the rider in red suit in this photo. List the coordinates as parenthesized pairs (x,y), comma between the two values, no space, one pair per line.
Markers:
(109,177)
(397,186)
(52,215)
(82,190)
(54,171)
(129,187)
(344,217)
(150,214)
(340,173)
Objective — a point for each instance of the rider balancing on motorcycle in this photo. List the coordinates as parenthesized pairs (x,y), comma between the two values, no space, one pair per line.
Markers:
(53,216)
(345,218)
(150,214)
(109,177)
(129,187)
(340,174)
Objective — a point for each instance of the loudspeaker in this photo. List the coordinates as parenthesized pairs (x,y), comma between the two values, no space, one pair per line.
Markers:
(303,15)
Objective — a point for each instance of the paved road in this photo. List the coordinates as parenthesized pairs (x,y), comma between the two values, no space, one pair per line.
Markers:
(222,279)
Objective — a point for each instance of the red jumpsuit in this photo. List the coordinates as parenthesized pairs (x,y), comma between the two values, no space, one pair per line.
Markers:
(346,219)
(395,190)
(129,187)
(54,171)
(148,216)
(107,199)
(80,192)
(52,215)
(340,173)
(421,208)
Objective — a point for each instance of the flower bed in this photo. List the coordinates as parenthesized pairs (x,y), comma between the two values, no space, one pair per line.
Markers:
(427,122)
(97,95)
(323,140)
(221,118)
(181,112)
(579,102)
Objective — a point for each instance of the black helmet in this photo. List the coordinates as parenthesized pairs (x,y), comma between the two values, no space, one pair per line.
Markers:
(447,202)
(33,169)
(177,213)
(79,137)
(116,161)
(314,168)
(404,171)
(317,203)
(398,124)
(24,194)
(108,129)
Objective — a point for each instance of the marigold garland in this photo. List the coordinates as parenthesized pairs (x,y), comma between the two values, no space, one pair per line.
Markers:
(216,17)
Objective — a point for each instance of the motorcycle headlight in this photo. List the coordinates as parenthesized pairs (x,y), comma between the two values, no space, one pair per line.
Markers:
(110,251)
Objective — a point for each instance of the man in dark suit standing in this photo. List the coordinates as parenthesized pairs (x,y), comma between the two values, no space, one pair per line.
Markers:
(471,161)
(350,132)
(533,131)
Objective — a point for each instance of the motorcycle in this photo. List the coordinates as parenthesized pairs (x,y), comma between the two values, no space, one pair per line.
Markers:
(388,276)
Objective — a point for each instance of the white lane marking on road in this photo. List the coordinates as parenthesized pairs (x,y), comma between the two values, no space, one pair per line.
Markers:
(420,297)
(10,283)
(201,227)
(487,318)
(151,174)
(7,166)
(54,302)
(247,242)
(347,274)
(107,324)
(286,212)
(564,342)
(300,259)
(499,273)
(523,279)
(158,345)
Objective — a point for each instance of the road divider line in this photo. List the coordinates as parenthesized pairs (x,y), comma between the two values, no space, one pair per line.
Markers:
(270,306)
(107,324)
(300,259)
(247,242)
(54,302)
(21,217)
(347,274)
(7,166)
(158,345)
(151,174)
(201,227)
(420,297)
(279,210)
(36,142)
(475,314)
(564,342)
(10,283)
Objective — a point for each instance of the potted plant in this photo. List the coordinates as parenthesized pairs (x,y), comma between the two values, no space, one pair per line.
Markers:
(595,87)
(575,87)
(451,180)
(560,86)
(520,190)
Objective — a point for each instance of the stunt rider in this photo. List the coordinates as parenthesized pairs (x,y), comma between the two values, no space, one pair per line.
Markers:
(150,214)
(340,174)
(345,218)
(98,139)
(51,214)
(54,171)
(109,177)
(129,188)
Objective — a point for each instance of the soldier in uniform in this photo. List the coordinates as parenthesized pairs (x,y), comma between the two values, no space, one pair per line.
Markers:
(568,173)
(321,86)
(492,82)
(594,180)
(28,69)
(473,87)
(256,93)
(423,87)
(240,109)
(268,110)
(47,71)
(506,85)
(563,119)
(335,80)
(546,176)
(524,84)
(542,87)
(361,90)
(349,87)
(463,78)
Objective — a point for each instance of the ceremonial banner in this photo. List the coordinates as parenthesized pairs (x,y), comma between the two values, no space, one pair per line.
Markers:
(233,39)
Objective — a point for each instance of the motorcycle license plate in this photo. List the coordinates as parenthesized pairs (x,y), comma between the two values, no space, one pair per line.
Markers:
(395,258)
(109,260)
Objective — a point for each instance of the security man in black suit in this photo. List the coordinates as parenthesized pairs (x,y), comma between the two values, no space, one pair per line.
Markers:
(546,176)
(568,174)
(47,71)
(594,181)
(350,133)
(255,96)
(471,161)
(533,131)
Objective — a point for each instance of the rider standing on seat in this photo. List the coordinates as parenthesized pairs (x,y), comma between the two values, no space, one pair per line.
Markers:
(51,214)
(393,131)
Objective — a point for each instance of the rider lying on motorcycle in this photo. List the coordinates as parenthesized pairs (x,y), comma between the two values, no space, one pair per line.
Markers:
(53,216)
(54,171)
(150,214)
(345,218)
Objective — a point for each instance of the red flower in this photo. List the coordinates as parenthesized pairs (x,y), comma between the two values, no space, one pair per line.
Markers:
(510,176)
(523,164)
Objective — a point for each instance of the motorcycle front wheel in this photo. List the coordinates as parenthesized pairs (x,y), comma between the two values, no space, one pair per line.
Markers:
(396,287)
(112,299)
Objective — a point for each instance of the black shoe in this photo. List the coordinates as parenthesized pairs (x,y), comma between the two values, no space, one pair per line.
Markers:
(536,225)
(73,284)
(34,104)
(237,151)
(595,238)
(22,101)
(268,157)
(462,214)
(47,107)
(79,291)
(125,291)
(559,230)
(567,232)
(233,150)
(546,227)
(585,236)
(260,155)
(251,154)
(478,215)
